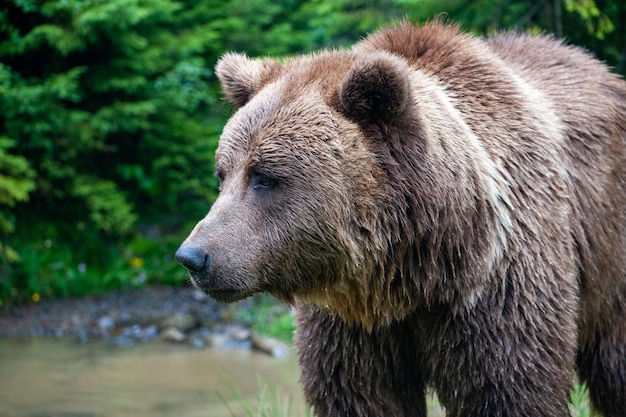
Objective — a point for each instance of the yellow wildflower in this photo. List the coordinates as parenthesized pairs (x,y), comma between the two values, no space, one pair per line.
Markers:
(136,262)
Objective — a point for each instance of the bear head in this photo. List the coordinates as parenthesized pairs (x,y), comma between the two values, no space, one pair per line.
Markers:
(326,195)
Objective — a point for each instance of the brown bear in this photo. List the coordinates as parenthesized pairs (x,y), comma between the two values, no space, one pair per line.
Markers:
(443,211)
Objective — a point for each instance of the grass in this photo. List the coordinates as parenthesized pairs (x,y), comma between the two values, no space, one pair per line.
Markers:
(580,404)
(54,263)
(270,402)
(267,316)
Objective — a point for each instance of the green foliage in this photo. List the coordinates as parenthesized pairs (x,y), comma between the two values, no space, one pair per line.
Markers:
(113,126)
(268,317)
(269,402)
(53,263)
(16,179)
(593,24)
(597,23)
(580,404)
(108,208)
(114,72)
(16,182)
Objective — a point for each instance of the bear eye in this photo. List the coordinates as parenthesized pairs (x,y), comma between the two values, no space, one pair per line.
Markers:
(263,182)
(219,174)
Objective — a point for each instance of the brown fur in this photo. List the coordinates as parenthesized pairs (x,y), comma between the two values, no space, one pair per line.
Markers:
(442,211)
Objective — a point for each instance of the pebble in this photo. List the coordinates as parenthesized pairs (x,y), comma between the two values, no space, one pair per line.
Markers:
(172,334)
(239,332)
(182,321)
(106,323)
(197,342)
(269,345)
(151,332)
(200,296)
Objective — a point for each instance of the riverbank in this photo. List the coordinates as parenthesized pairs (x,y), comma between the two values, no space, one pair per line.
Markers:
(154,313)
(168,315)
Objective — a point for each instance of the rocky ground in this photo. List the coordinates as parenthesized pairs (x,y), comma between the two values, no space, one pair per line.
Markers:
(175,315)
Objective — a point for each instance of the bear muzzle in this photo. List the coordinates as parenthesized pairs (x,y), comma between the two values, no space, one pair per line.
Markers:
(198,262)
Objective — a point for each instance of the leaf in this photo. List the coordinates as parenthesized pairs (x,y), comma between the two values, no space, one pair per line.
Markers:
(16,175)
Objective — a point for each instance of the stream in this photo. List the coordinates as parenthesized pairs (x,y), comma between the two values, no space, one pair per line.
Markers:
(57,377)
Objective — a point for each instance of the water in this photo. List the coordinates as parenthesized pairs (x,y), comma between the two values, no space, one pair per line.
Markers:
(60,378)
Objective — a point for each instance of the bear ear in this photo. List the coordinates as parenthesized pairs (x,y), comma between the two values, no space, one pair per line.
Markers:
(376,89)
(242,77)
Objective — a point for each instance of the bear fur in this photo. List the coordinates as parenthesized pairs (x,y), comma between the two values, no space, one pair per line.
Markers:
(442,211)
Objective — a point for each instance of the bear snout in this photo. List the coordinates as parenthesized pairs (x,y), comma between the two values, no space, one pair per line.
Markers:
(194,258)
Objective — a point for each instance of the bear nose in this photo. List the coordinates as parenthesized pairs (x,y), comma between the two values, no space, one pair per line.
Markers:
(194,258)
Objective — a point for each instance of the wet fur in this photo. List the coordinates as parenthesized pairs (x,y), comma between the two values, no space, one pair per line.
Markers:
(448,212)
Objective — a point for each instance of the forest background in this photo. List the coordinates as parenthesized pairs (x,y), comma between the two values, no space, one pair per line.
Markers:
(110,113)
